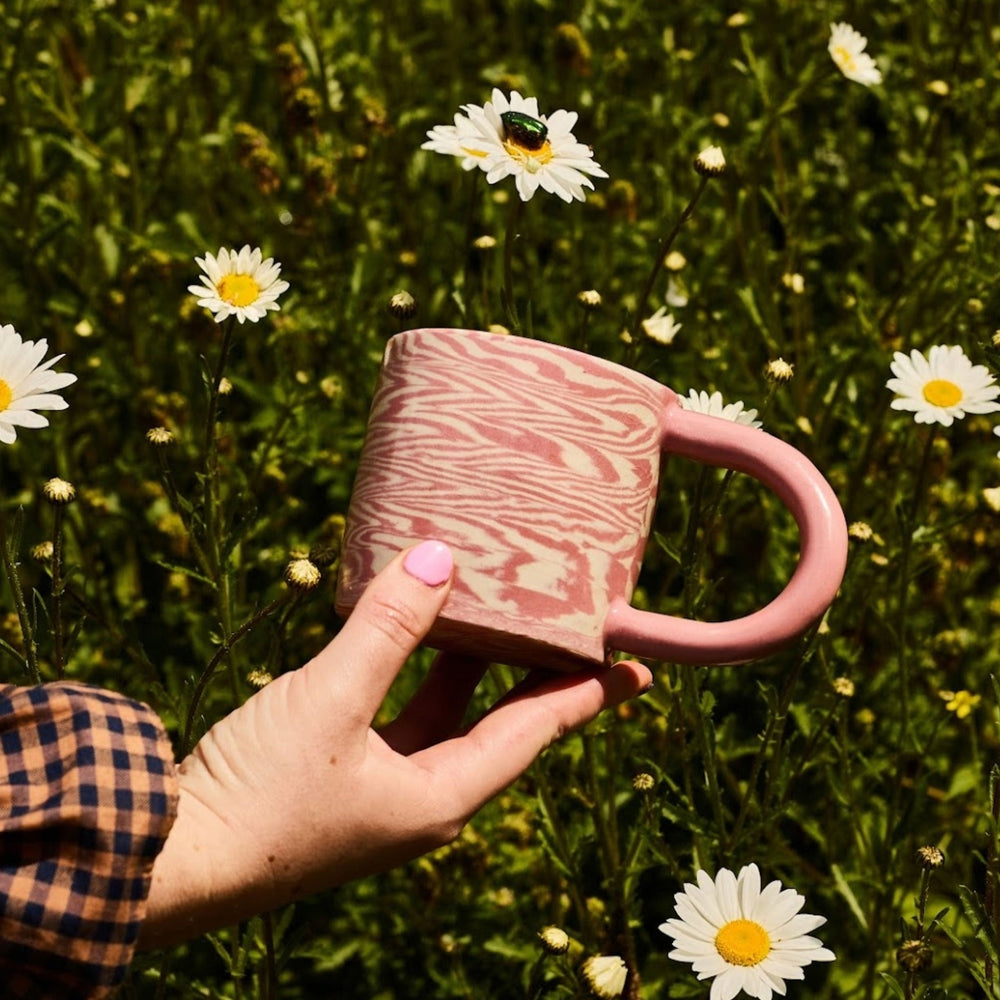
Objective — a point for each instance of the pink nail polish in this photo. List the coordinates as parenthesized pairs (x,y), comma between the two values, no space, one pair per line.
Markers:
(430,562)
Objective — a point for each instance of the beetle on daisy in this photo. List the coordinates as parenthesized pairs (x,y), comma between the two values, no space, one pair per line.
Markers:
(510,137)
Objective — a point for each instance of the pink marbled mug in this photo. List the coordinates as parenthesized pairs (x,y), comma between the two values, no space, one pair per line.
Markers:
(539,467)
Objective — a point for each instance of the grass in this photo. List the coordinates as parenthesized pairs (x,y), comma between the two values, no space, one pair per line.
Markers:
(134,137)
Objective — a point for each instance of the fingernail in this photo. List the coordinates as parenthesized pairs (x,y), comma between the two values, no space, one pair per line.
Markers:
(430,562)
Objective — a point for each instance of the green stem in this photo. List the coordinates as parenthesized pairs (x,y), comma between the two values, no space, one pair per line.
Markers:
(270,990)
(213,503)
(173,495)
(513,218)
(561,844)
(665,246)
(908,526)
(602,809)
(206,675)
(689,678)
(57,593)
(14,579)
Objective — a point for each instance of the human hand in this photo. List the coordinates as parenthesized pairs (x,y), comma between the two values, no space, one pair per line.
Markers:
(294,792)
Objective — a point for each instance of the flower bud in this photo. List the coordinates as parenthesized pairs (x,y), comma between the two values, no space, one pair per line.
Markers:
(58,492)
(710,162)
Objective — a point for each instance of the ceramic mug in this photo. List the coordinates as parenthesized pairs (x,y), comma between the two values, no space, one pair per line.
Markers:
(539,466)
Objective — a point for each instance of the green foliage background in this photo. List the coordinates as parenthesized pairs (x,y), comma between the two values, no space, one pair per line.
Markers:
(135,136)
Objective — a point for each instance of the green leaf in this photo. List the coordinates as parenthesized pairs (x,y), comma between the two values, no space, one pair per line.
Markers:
(982,928)
(108,249)
(893,985)
(852,901)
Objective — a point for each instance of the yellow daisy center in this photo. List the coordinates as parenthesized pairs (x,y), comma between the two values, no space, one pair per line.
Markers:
(743,942)
(532,159)
(844,58)
(5,395)
(238,289)
(942,392)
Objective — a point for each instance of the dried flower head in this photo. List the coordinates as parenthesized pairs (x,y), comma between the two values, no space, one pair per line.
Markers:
(259,678)
(402,305)
(930,856)
(302,574)
(914,955)
(779,370)
(844,686)
(860,531)
(159,436)
(59,492)
(589,299)
(43,551)
(643,782)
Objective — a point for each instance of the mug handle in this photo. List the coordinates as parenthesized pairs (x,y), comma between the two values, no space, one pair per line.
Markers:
(823,553)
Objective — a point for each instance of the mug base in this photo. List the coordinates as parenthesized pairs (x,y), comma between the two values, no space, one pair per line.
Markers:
(500,645)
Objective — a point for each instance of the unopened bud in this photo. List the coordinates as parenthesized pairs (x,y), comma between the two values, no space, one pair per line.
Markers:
(779,370)
(710,162)
(302,574)
(554,940)
(159,436)
(402,305)
(58,492)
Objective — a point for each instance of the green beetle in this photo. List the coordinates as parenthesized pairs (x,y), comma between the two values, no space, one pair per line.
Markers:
(523,130)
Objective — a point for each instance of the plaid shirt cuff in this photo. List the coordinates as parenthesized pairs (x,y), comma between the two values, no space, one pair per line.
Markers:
(88,793)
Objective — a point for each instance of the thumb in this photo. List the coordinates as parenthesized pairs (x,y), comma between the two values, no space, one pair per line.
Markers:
(388,623)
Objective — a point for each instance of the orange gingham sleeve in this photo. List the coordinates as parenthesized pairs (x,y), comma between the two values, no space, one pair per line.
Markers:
(88,793)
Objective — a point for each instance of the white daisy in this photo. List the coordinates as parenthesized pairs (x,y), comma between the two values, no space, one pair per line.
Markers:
(713,406)
(746,938)
(445,139)
(510,137)
(26,385)
(942,386)
(847,48)
(239,284)
(605,975)
(661,326)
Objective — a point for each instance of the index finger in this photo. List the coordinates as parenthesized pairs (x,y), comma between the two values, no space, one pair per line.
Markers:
(500,747)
